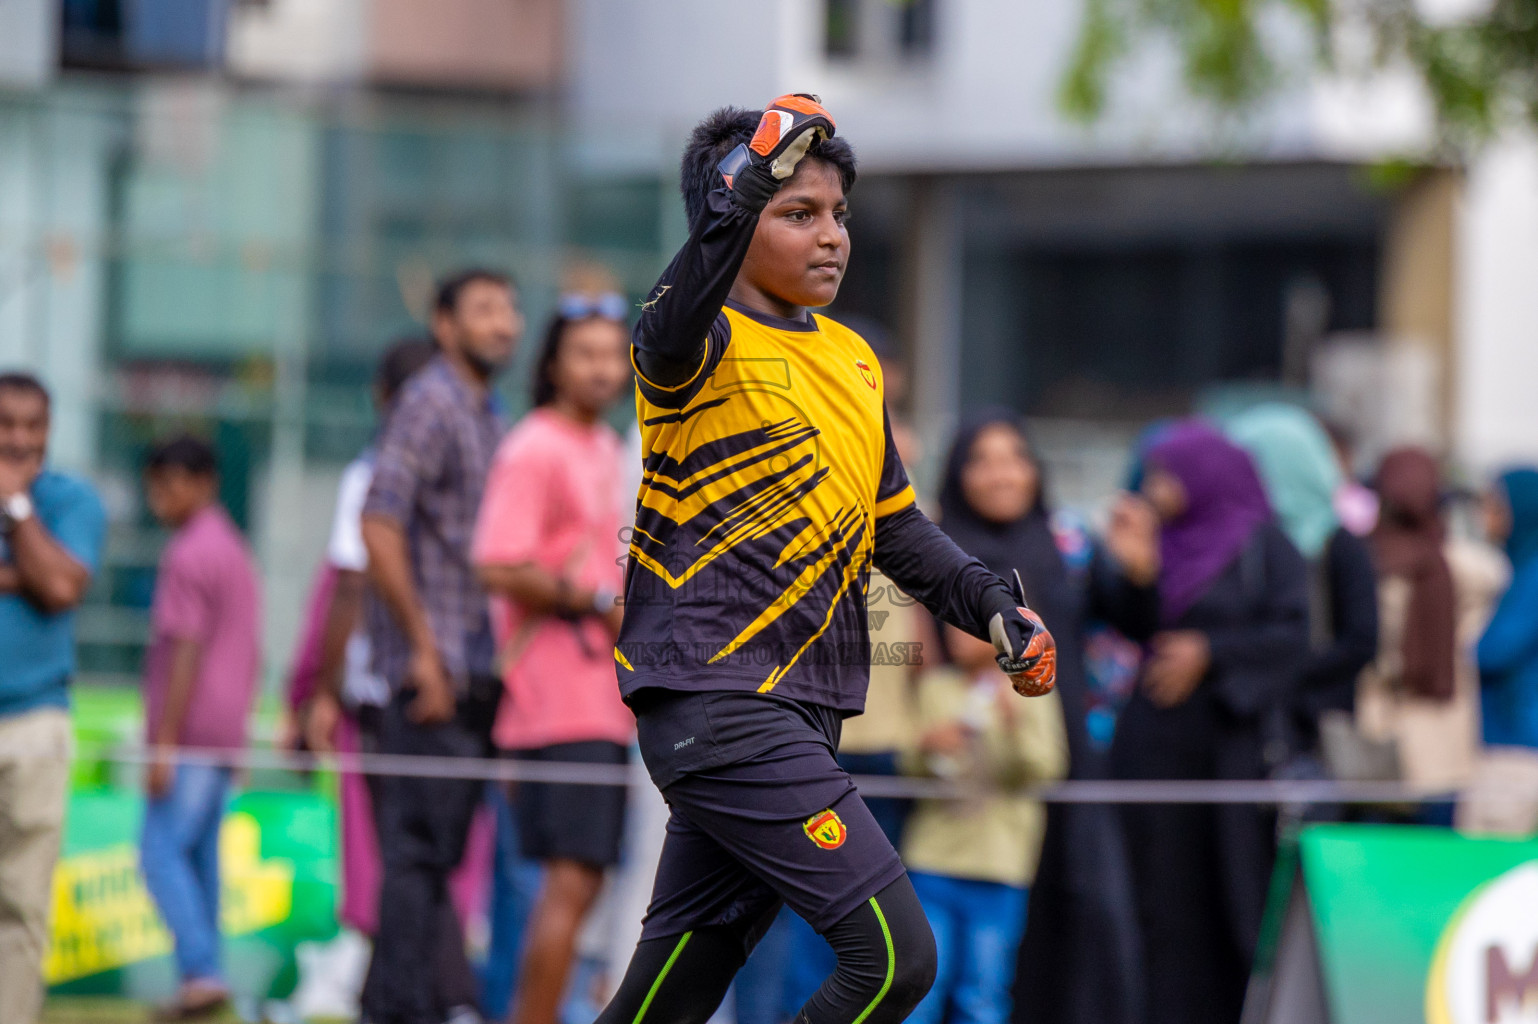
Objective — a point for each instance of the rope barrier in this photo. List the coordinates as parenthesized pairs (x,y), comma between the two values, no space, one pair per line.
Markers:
(1077,791)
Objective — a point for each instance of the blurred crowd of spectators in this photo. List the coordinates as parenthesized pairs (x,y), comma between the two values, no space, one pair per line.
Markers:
(1252,608)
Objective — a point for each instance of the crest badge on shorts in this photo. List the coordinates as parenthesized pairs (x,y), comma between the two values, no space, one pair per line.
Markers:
(826,829)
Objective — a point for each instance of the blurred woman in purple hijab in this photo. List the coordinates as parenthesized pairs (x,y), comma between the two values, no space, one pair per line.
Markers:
(1223,504)
(1234,609)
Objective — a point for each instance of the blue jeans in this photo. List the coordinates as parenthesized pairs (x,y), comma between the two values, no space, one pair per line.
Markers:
(977,928)
(514,889)
(179,855)
(759,989)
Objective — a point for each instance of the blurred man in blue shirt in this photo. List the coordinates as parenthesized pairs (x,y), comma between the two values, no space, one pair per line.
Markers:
(51,532)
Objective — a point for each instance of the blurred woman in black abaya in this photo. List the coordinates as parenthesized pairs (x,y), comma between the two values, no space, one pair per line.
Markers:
(1079,958)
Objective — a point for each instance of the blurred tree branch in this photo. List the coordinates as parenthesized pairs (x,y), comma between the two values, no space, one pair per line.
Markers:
(1480,68)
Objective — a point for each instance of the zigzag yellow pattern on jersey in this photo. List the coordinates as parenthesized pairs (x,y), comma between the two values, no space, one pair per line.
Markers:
(777,506)
(755,517)
(682,502)
(779,673)
(767,508)
(778,437)
(803,583)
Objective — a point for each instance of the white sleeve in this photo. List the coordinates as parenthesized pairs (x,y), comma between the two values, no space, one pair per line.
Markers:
(346,550)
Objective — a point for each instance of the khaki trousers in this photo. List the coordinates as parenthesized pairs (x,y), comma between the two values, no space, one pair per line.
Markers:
(34,782)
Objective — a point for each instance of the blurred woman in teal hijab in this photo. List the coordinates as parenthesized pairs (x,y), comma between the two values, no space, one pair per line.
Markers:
(1301,474)
(1508,651)
(1298,467)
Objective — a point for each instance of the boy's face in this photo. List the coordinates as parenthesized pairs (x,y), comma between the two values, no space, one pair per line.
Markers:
(173,494)
(801,248)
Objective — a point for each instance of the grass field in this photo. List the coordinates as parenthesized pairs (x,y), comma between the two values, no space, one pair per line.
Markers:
(95,1011)
(103,1010)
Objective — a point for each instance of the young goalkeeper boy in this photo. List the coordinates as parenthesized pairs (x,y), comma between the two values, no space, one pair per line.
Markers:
(770,487)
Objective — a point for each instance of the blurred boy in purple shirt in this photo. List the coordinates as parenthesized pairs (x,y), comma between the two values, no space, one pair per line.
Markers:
(200,674)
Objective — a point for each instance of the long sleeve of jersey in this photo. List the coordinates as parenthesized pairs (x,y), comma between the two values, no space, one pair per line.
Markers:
(681,332)
(927,565)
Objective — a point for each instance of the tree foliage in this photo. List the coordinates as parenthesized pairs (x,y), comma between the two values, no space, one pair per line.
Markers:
(1481,70)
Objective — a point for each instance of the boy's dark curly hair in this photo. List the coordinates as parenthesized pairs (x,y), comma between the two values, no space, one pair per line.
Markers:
(719,133)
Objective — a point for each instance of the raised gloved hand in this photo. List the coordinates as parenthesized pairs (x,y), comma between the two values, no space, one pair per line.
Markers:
(1027,652)
(755,170)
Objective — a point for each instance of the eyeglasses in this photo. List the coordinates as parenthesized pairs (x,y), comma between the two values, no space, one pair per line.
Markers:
(609,305)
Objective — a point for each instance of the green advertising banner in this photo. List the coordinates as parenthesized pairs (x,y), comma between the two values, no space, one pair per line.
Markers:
(1396,924)
(277,859)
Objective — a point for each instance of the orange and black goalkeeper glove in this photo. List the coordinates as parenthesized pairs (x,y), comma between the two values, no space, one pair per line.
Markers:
(755,170)
(1027,652)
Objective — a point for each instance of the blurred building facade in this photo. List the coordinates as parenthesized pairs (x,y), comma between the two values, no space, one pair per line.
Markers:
(1115,270)
(215,213)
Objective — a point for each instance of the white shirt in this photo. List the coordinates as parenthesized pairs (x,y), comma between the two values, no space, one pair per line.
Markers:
(346,551)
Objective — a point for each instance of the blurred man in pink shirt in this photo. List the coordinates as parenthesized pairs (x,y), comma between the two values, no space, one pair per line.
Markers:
(200,675)
(548,546)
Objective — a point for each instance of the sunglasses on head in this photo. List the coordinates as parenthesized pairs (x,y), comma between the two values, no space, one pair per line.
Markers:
(609,305)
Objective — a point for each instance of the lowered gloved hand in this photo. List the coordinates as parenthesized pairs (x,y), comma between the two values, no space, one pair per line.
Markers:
(1027,652)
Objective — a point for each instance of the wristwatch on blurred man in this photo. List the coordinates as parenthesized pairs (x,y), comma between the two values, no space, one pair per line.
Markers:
(14,510)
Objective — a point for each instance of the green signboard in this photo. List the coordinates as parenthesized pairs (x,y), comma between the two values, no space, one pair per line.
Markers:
(1391,925)
(277,856)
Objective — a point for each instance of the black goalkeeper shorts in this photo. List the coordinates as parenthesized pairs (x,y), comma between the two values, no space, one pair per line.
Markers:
(761,813)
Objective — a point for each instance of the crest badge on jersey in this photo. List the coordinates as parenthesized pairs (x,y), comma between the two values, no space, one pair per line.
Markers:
(826,829)
(866,373)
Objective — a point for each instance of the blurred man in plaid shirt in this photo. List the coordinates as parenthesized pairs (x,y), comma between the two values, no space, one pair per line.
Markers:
(429,626)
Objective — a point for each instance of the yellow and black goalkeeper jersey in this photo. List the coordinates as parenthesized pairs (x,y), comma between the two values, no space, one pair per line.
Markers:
(757,515)
(770,484)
